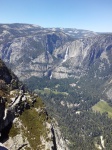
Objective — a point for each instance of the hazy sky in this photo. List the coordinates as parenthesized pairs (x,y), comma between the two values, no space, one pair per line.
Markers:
(95,15)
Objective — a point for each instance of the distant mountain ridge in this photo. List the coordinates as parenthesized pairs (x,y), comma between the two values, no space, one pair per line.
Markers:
(76,33)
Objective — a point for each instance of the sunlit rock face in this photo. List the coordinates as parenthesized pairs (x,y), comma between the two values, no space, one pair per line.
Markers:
(30,50)
(35,51)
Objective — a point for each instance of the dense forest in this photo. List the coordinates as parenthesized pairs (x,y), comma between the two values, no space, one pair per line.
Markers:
(70,101)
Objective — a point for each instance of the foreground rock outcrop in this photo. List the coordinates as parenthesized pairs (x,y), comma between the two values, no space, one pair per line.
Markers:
(24,121)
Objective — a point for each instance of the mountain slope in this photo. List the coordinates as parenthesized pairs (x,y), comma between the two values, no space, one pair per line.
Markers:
(28,49)
(36,51)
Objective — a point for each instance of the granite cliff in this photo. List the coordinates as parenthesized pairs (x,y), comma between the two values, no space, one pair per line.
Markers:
(33,51)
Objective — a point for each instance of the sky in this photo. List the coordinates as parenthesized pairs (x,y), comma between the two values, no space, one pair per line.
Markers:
(94,15)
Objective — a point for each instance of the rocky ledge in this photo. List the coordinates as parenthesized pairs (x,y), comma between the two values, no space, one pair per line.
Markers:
(24,121)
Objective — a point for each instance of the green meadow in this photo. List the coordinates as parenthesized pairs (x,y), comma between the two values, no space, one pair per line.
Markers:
(48,91)
(102,106)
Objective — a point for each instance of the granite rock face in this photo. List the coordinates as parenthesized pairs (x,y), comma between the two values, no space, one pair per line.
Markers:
(36,51)
(80,54)
(29,50)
